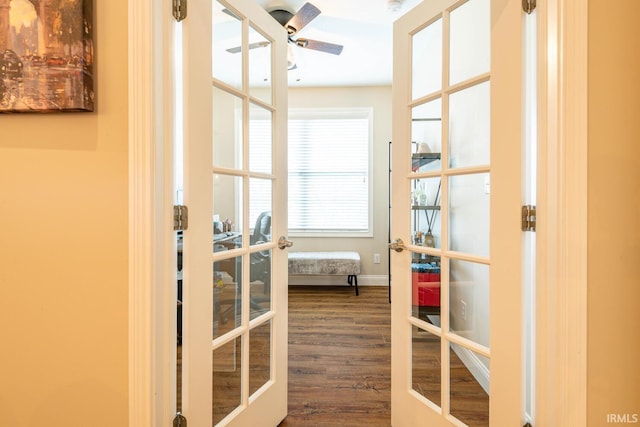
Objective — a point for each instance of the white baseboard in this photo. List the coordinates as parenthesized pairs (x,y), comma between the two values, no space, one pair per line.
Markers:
(479,371)
(363,280)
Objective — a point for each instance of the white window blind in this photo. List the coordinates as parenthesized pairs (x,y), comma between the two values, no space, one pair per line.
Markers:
(260,160)
(329,171)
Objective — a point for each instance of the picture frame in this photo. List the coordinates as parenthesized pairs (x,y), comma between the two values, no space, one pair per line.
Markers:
(47,56)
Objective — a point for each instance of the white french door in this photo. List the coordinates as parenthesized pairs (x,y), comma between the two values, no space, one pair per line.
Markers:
(234,328)
(456,302)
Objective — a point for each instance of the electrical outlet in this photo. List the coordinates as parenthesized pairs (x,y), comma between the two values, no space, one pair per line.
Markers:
(376,258)
(463,309)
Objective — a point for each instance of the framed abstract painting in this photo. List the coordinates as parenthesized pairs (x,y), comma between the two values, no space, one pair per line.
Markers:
(46,56)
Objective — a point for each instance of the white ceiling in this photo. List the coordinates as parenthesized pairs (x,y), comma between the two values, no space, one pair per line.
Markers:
(363,27)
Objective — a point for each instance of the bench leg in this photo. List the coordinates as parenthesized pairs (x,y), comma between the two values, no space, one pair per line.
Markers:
(353,279)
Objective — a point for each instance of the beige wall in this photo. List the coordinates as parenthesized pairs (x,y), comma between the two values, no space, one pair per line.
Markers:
(63,206)
(379,98)
(614,210)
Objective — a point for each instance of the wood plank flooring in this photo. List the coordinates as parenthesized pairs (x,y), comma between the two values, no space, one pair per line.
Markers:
(340,364)
(339,357)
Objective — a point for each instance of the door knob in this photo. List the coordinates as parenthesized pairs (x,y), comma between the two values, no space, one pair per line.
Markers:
(397,245)
(283,242)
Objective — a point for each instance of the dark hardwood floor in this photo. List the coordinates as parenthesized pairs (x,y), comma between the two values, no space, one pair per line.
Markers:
(340,363)
(339,357)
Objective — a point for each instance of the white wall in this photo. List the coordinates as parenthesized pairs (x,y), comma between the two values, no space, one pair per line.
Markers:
(380,99)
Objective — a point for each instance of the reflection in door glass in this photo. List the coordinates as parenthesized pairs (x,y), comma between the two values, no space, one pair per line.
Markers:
(227,384)
(227,212)
(469,301)
(425,288)
(227,45)
(260,207)
(470,40)
(227,130)
(259,356)
(425,219)
(227,296)
(425,364)
(260,283)
(260,52)
(469,127)
(469,208)
(260,139)
(469,386)
(427,60)
(426,136)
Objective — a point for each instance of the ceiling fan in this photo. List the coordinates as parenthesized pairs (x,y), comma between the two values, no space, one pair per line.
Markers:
(293,24)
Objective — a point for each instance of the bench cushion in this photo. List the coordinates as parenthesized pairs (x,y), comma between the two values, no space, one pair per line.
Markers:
(330,263)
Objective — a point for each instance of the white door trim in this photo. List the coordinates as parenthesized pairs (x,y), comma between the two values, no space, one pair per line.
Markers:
(561,325)
(561,301)
(151,243)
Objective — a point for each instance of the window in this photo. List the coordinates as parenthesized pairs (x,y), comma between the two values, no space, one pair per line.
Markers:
(330,189)
(329,171)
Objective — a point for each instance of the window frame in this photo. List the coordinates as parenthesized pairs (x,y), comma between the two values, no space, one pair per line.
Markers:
(350,113)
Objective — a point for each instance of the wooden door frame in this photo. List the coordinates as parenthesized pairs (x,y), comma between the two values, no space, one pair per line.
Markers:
(560,379)
(561,273)
(152,259)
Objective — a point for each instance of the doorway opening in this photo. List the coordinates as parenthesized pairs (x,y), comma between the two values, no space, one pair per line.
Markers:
(371,94)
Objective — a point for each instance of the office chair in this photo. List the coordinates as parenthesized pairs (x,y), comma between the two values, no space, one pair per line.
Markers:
(261,261)
(260,268)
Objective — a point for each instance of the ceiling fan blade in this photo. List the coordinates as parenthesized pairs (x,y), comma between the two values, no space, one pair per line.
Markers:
(306,14)
(231,14)
(238,49)
(334,49)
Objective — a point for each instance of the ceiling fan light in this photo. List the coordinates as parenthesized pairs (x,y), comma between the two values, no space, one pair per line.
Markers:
(291,59)
(394,5)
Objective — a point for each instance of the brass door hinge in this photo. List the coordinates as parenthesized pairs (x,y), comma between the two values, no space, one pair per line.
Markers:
(179,420)
(529,6)
(179,9)
(528,218)
(180,217)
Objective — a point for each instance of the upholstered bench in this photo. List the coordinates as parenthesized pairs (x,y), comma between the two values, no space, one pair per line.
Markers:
(326,263)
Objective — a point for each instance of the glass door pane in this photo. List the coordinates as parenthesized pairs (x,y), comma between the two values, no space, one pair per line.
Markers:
(470,40)
(449,215)
(469,389)
(469,209)
(235,319)
(259,357)
(427,60)
(426,136)
(243,194)
(260,139)
(469,130)
(227,45)
(227,379)
(457,275)
(227,129)
(260,54)
(426,365)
